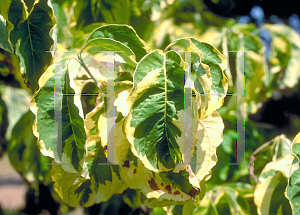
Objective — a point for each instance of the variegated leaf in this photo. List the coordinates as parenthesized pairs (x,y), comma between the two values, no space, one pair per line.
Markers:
(72,133)
(293,188)
(103,182)
(118,38)
(161,189)
(96,121)
(285,52)
(155,124)
(228,199)
(209,137)
(31,37)
(209,65)
(269,193)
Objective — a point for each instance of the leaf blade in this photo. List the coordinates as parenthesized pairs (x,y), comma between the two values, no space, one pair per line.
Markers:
(154,126)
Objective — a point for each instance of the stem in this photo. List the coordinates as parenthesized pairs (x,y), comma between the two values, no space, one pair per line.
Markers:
(80,61)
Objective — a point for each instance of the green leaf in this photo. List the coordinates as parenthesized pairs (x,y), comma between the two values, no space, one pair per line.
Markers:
(144,27)
(117,12)
(32,33)
(159,211)
(293,191)
(228,137)
(280,147)
(293,188)
(155,124)
(229,198)
(227,203)
(102,183)
(106,44)
(79,36)
(132,198)
(63,32)
(118,38)
(4,8)
(4,44)
(15,12)
(24,154)
(73,133)
(17,102)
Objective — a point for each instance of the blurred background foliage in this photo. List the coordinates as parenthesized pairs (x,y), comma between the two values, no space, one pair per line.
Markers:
(270,29)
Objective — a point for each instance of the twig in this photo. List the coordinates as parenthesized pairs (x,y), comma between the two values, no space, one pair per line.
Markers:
(253,158)
(80,61)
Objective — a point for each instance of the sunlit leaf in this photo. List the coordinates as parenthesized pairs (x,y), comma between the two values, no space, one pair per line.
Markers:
(103,182)
(209,137)
(161,189)
(155,124)
(269,193)
(280,147)
(73,133)
(120,38)
(208,64)
(286,42)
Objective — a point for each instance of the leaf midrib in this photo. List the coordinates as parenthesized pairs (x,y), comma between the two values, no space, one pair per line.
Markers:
(30,42)
(166,95)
